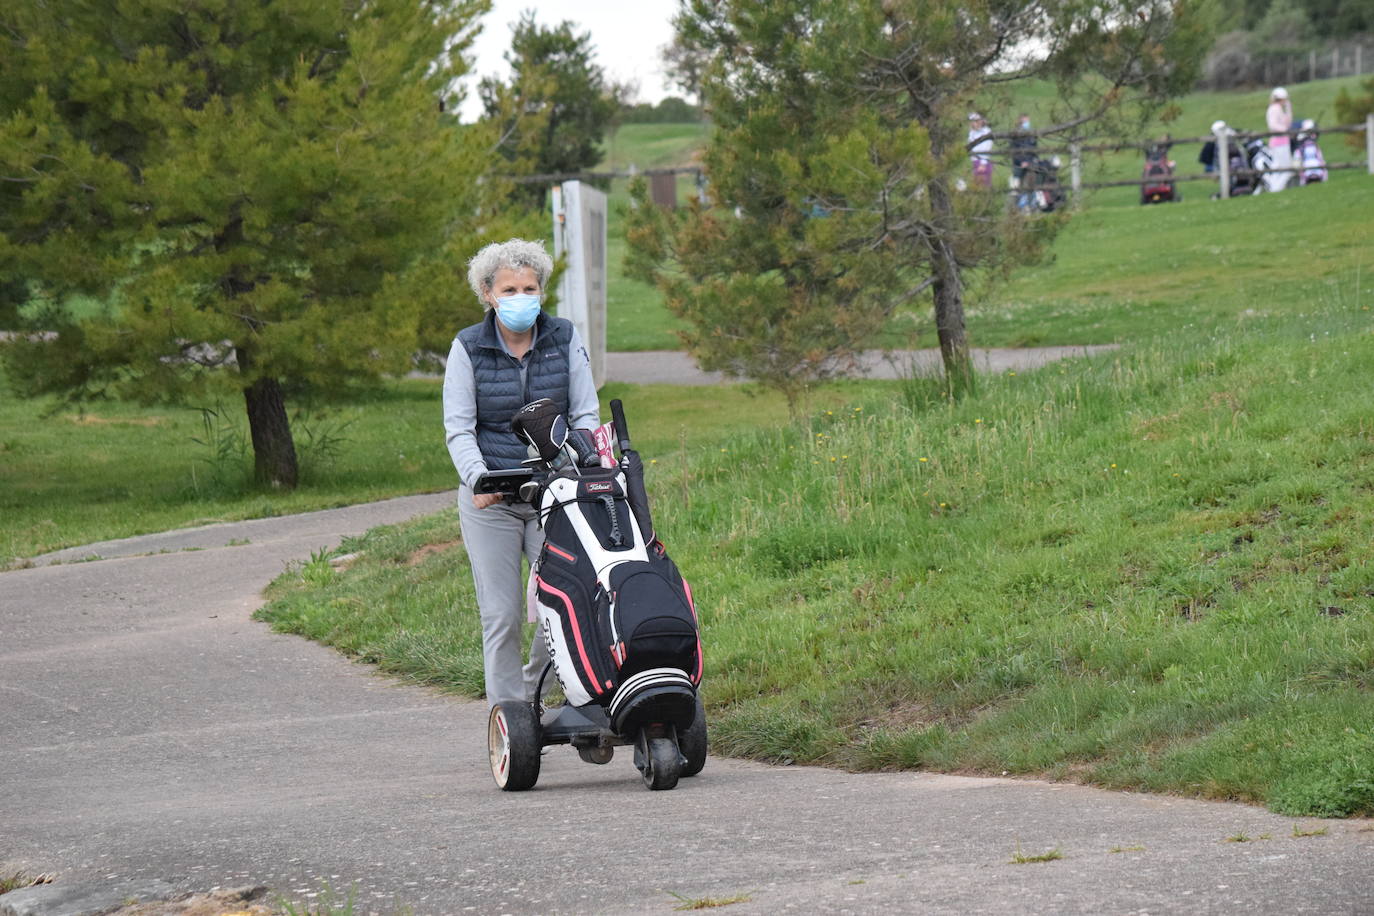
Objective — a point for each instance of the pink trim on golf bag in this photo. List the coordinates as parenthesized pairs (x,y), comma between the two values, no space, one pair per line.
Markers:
(589,675)
(691,603)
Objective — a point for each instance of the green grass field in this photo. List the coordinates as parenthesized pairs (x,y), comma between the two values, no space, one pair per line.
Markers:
(113,470)
(1118,274)
(1159,254)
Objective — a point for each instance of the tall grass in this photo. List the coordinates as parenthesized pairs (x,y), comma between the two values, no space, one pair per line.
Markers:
(1152,570)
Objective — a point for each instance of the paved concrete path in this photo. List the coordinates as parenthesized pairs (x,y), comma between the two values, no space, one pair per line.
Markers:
(152,734)
(674,367)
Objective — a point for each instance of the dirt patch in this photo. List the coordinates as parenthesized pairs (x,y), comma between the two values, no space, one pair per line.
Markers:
(1225,399)
(92,420)
(236,902)
(1156,428)
(905,717)
(429,550)
(1161,427)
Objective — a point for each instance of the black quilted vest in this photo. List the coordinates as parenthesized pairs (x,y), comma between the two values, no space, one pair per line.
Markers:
(497,377)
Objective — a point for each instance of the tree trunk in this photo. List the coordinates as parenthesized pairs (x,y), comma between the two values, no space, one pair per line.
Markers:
(274,450)
(949,299)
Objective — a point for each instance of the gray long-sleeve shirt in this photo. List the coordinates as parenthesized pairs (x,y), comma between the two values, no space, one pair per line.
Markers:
(460,403)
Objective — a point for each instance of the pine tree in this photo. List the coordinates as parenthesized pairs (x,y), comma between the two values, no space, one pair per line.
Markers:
(558,104)
(1352,109)
(839,163)
(265,196)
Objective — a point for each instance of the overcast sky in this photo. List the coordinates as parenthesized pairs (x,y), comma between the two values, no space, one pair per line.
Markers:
(626,35)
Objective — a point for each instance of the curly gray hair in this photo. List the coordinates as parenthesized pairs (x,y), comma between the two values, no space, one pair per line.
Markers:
(513,254)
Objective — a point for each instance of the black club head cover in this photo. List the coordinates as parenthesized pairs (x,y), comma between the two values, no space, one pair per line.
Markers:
(585,447)
(540,424)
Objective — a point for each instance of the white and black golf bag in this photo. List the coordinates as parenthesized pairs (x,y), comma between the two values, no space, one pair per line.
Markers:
(619,618)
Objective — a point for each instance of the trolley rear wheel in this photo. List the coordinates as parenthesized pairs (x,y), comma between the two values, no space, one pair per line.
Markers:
(692,742)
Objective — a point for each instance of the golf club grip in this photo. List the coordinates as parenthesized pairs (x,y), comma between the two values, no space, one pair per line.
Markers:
(622,431)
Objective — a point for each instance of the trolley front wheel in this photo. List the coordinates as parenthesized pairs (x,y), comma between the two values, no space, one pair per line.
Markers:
(513,746)
(662,762)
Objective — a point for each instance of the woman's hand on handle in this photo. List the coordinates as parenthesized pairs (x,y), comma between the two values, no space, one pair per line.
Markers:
(483,500)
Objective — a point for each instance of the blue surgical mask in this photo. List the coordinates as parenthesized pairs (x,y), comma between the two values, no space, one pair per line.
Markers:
(517,312)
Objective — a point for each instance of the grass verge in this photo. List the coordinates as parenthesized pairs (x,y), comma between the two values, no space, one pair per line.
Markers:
(1149,571)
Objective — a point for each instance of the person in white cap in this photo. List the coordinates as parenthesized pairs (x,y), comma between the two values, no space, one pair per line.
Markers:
(1211,162)
(1279,117)
(981,146)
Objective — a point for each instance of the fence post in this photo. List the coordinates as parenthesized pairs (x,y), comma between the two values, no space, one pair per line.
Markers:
(1076,171)
(1311,65)
(1223,155)
(1369,142)
(1335,62)
(1358,70)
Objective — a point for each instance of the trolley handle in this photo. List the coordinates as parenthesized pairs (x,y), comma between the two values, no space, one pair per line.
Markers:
(622,431)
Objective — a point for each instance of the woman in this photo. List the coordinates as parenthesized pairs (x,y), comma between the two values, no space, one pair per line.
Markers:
(514,355)
(980,148)
(1279,117)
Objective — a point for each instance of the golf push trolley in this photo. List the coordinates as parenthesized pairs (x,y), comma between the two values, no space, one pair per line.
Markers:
(617,615)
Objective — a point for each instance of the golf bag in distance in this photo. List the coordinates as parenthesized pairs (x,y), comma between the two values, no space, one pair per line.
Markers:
(617,614)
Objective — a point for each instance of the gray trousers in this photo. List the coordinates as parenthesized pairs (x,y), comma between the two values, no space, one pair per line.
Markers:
(496,538)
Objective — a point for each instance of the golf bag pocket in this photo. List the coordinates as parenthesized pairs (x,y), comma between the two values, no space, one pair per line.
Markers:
(572,619)
(652,620)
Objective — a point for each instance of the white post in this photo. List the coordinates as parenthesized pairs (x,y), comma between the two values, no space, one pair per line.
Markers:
(1311,65)
(1358,70)
(1076,172)
(1223,163)
(579,232)
(1335,62)
(1369,142)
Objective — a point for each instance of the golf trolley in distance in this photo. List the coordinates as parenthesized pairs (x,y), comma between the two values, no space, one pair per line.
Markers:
(617,615)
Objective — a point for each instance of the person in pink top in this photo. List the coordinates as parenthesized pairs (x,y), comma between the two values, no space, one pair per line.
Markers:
(1279,117)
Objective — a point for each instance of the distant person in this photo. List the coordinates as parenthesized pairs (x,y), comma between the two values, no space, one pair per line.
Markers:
(1308,155)
(980,140)
(516,354)
(1279,117)
(1208,156)
(1022,158)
